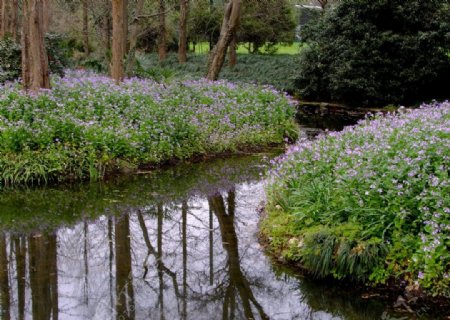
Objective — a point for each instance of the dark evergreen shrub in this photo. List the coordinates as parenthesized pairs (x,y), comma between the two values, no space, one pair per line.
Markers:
(10,65)
(378,52)
(10,57)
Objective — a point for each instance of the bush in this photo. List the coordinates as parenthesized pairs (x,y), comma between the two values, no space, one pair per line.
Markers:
(373,53)
(369,203)
(10,57)
(87,125)
(10,64)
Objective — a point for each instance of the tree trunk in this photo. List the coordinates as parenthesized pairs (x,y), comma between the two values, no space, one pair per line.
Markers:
(232,56)
(8,18)
(35,73)
(229,26)
(15,20)
(46,16)
(106,30)
(134,32)
(211,37)
(182,43)
(323,3)
(118,42)
(5,17)
(85,27)
(162,47)
(125,25)
(1,19)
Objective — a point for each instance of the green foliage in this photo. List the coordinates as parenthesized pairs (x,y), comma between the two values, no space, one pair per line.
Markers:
(10,57)
(373,53)
(87,126)
(277,70)
(261,23)
(370,203)
(10,65)
(59,52)
(204,21)
(266,22)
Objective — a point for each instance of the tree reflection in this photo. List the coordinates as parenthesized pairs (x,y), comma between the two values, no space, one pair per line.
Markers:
(43,276)
(124,277)
(20,250)
(4,280)
(237,280)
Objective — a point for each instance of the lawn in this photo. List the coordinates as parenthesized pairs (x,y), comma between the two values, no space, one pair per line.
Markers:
(294,48)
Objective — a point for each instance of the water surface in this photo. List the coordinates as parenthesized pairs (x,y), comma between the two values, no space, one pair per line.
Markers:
(178,243)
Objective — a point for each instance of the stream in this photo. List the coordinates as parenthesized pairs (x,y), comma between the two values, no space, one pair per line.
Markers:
(175,243)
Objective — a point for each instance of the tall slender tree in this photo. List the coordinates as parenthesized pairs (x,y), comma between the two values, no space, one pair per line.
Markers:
(35,72)
(229,26)
(9,18)
(118,40)
(182,42)
(86,27)
(162,41)
(1,19)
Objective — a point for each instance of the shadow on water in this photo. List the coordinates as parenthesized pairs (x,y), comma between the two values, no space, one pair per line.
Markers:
(174,244)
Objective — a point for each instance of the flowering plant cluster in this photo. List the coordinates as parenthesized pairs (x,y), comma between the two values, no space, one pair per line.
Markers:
(371,202)
(87,125)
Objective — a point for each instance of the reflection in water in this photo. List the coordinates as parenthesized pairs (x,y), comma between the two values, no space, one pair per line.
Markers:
(237,281)
(4,279)
(179,244)
(43,276)
(124,275)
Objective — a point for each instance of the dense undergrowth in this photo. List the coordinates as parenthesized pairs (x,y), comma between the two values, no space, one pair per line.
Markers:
(87,125)
(370,203)
(274,70)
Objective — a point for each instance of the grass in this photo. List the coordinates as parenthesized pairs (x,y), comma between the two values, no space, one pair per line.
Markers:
(294,48)
(370,203)
(87,126)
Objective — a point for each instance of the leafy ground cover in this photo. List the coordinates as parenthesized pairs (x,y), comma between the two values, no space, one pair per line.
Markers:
(87,126)
(370,203)
(275,70)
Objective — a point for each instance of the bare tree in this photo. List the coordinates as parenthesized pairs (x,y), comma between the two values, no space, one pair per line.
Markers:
(35,73)
(118,40)
(182,43)
(229,26)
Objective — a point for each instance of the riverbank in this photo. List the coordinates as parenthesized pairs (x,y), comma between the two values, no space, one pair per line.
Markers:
(87,126)
(369,204)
